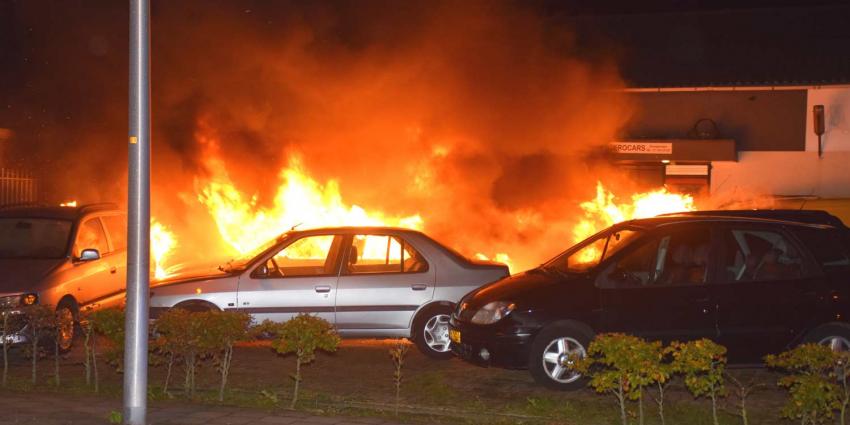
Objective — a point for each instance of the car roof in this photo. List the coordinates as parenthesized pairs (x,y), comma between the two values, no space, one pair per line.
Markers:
(668,219)
(801,216)
(54,211)
(348,230)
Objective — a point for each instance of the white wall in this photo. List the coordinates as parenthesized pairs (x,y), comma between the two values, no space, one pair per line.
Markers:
(796,173)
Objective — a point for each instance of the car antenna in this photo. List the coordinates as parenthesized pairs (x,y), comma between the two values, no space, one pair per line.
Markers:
(293,227)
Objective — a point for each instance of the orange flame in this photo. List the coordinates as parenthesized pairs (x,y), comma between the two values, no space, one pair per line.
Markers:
(603,211)
(68,204)
(300,201)
(163,243)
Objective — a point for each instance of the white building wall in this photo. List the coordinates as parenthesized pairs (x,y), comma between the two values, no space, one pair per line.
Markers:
(796,173)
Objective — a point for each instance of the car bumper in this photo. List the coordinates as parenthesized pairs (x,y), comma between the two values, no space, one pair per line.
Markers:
(491,346)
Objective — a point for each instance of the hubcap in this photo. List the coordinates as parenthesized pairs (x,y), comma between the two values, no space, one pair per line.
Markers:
(836,343)
(66,327)
(437,333)
(559,357)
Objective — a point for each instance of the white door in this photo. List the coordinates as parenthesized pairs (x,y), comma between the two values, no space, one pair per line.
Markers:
(299,278)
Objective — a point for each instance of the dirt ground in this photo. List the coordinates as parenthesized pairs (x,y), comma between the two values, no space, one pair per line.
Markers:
(358,379)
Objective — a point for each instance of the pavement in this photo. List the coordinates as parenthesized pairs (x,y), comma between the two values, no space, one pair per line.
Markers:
(64,409)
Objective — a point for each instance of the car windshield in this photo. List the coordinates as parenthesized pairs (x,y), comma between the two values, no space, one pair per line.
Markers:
(587,254)
(242,261)
(35,238)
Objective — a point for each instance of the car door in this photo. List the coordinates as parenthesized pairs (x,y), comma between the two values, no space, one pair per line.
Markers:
(765,290)
(88,279)
(383,281)
(112,294)
(301,277)
(658,287)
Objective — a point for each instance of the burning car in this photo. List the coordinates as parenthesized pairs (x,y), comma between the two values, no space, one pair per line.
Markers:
(755,285)
(63,256)
(368,281)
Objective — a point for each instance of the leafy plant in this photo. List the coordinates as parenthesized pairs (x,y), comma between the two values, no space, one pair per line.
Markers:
(702,362)
(303,335)
(743,389)
(109,323)
(814,393)
(6,328)
(115,417)
(39,320)
(220,331)
(397,354)
(624,366)
(179,336)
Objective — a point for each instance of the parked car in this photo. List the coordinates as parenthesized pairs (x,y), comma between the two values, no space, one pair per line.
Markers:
(367,281)
(66,257)
(756,286)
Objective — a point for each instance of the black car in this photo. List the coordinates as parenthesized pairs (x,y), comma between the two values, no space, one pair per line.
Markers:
(757,286)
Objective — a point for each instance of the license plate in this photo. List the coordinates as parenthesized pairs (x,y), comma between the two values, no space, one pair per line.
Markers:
(454,335)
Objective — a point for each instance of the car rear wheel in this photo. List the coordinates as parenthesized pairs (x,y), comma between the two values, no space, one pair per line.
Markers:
(835,336)
(553,353)
(431,332)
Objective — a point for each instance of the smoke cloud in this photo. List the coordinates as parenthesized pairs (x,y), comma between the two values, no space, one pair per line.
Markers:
(478,115)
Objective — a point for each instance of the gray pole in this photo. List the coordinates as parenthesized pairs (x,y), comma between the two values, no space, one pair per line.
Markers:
(138,219)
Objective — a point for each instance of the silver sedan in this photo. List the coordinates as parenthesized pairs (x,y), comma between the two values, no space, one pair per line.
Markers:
(368,281)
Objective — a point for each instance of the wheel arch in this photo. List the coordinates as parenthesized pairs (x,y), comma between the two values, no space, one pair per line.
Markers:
(196,305)
(425,307)
(584,327)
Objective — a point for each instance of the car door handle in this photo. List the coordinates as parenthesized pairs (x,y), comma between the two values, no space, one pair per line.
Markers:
(323,288)
(113,270)
(419,286)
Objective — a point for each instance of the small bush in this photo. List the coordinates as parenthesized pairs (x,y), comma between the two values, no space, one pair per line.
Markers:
(302,335)
(624,365)
(397,354)
(810,383)
(40,321)
(702,363)
(180,337)
(220,331)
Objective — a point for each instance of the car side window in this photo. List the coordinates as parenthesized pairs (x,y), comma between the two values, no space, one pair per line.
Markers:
(383,254)
(826,246)
(116,226)
(676,258)
(90,236)
(752,254)
(307,256)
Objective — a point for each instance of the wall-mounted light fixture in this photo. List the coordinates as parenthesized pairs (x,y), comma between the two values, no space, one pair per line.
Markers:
(819,126)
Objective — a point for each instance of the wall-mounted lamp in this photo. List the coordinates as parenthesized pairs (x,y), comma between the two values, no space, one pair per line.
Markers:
(819,126)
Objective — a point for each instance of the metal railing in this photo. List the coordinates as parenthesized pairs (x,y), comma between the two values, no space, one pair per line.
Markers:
(17,187)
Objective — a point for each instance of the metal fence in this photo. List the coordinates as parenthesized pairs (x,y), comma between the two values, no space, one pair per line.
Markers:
(17,187)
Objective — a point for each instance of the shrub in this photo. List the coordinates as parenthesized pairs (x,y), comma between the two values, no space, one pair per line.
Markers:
(179,336)
(220,331)
(624,366)
(303,335)
(40,320)
(702,363)
(811,385)
(397,354)
(109,323)
(7,322)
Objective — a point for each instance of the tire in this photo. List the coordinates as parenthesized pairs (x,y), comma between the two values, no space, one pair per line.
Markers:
(69,330)
(431,332)
(551,351)
(836,335)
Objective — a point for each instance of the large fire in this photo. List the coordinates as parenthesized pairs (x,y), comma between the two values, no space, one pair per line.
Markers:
(163,243)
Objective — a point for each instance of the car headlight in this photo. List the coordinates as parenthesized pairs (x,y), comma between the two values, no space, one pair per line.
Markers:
(492,312)
(12,301)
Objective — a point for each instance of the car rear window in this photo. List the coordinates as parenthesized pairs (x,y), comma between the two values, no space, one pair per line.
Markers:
(826,246)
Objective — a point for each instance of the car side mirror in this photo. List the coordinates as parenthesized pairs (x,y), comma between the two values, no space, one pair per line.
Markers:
(89,254)
(262,271)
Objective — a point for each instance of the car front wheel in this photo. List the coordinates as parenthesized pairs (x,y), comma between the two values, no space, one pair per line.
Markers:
(553,354)
(66,326)
(431,332)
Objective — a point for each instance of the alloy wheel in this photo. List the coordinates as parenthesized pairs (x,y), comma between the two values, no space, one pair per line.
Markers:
(559,357)
(836,343)
(437,333)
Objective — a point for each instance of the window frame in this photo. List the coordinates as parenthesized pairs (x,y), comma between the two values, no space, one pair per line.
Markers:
(80,227)
(106,228)
(349,242)
(333,253)
(654,236)
(809,267)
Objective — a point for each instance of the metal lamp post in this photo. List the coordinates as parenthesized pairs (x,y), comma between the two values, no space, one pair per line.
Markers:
(138,219)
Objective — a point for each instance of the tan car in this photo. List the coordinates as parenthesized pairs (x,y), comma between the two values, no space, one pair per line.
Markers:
(67,257)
